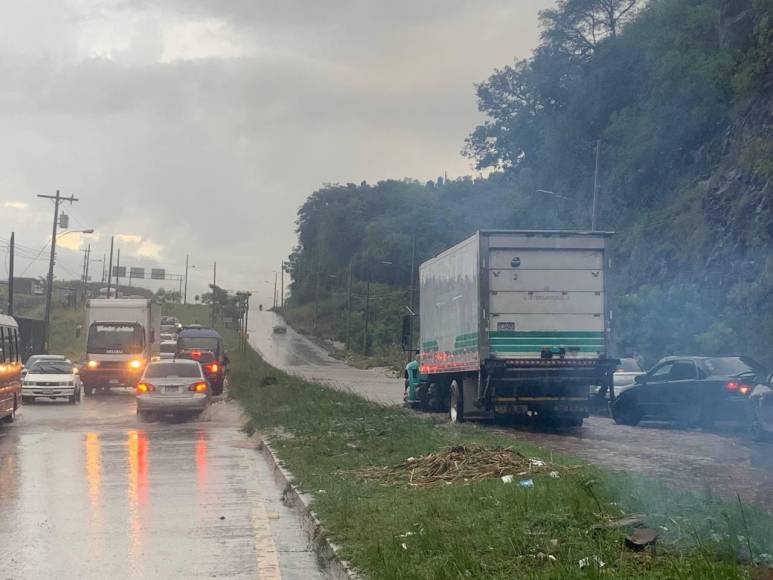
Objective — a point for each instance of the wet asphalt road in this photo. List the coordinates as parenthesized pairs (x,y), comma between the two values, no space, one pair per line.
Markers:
(726,462)
(88,492)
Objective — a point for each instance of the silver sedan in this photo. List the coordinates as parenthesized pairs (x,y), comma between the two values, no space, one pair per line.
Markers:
(172,386)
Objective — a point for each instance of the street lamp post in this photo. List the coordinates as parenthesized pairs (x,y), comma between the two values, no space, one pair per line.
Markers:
(50,280)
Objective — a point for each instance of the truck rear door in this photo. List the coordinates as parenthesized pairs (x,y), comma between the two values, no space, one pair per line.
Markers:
(546,297)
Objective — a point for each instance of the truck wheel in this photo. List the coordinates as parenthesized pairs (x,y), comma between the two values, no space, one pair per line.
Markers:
(456,404)
(12,416)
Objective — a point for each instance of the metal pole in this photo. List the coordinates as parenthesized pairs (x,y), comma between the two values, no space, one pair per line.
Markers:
(214,287)
(110,269)
(282,293)
(367,305)
(88,265)
(104,265)
(12,251)
(50,279)
(185,292)
(595,187)
(117,271)
(349,306)
(275,281)
(83,274)
(411,293)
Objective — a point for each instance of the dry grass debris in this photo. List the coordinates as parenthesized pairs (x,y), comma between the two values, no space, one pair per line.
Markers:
(459,464)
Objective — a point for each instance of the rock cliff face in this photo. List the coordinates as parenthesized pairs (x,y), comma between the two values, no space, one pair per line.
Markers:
(712,244)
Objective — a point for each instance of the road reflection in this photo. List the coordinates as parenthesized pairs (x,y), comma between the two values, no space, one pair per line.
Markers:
(137,447)
(201,463)
(93,453)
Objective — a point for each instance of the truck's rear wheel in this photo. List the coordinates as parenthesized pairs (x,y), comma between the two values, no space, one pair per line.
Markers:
(456,403)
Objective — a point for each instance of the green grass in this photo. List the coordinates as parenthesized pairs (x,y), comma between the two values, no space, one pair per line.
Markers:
(485,529)
(64,338)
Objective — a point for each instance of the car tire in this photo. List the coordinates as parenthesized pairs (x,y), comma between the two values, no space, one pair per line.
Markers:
(707,418)
(455,404)
(72,399)
(626,414)
(90,391)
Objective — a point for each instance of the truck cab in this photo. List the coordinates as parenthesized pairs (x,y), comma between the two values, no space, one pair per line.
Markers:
(121,339)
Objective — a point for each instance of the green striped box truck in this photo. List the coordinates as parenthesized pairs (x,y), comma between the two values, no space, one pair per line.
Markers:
(514,323)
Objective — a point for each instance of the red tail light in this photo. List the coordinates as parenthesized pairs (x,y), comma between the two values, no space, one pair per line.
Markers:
(213,368)
(736,386)
(198,387)
(196,354)
(145,387)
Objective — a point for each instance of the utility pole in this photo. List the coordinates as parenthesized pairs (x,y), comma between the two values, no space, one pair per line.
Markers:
(110,268)
(50,288)
(104,265)
(411,293)
(595,188)
(12,251)
(86,279)
(185,292)
(349,305)
(117,272)
(214,287)
(282,286)
(367,304)
(275,280)
(83,274)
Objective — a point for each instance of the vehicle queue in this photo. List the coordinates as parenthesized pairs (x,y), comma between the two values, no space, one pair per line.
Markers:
(180,381)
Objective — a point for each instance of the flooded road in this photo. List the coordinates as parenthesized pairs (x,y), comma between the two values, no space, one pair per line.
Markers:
(296,354)
(725,462)
(88,492)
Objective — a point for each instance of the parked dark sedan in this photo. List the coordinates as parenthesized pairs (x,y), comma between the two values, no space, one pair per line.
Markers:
(694,391)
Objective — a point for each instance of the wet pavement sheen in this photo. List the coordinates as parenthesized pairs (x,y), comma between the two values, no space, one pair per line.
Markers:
(726,461)
(87,491)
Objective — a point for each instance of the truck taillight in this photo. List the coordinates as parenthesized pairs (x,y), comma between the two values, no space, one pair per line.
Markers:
(213,368)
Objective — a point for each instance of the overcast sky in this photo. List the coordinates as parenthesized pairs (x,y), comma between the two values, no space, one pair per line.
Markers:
(200,126)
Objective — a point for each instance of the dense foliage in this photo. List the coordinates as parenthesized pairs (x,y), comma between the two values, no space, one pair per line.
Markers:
(677,93)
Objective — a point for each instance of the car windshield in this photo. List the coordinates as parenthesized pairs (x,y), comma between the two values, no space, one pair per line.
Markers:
(115,337)
(629,365)
(172,369)
(197,342)
(51,367)
(168,346)
(732,366)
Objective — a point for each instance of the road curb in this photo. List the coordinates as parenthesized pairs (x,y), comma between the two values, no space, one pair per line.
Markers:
(327,552)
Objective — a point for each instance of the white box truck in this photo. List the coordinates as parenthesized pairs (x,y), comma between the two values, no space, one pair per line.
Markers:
(514,322)
(122,336)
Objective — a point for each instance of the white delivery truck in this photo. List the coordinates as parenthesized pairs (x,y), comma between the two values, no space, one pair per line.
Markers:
(514,322)
(122,336)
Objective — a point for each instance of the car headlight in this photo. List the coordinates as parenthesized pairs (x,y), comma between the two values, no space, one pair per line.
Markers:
(135,364)
(92,364)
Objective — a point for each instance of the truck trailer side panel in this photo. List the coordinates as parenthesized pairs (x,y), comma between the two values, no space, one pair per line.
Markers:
(449,303)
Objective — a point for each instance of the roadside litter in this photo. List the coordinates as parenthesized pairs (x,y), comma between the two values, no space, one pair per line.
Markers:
(463,463)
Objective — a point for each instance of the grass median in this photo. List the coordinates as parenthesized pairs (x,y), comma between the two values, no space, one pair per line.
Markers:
(331,441)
